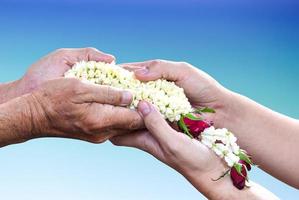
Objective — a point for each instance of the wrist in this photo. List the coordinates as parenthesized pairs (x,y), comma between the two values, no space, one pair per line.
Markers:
(225,109)
(15,121)
(205,181)
(10,91)
(39,121)
(211,188)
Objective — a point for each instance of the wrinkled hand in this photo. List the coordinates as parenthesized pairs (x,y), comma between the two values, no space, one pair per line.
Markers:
(72,109)
(188,156)
(56,64)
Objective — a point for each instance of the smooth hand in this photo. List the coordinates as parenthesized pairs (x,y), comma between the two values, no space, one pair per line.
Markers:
(187,156)
(201,89)
(198,164)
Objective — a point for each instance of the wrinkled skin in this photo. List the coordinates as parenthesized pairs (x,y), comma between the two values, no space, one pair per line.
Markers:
(72,109)
(55,64)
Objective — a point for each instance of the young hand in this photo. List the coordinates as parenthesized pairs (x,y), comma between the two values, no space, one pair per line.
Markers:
(200,88)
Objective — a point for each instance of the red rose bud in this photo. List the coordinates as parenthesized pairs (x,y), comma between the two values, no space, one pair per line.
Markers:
(196,126)
(248,166)
(238,179)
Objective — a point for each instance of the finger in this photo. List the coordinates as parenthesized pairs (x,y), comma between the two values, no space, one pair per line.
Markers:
(140,140)
(86,54)
(123,118)
(104,94)
(136,64)
(130,67)
(94,54)
(157,69)
(96,138)
(155,122)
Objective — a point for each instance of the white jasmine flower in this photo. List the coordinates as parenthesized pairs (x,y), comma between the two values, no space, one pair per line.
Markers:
(231,159)
(223,143)
(166,96)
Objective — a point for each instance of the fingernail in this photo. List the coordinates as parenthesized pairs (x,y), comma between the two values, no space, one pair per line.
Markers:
(141,71)
(144,108)
(126,98)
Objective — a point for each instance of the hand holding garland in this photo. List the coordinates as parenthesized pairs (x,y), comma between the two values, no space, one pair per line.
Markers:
(37,106)
(67,108)
(269,137)
(51,66)
(189,157)
(195,161)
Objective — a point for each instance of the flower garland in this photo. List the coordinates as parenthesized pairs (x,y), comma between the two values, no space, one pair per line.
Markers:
(222,142)
(166,96)
(175,107)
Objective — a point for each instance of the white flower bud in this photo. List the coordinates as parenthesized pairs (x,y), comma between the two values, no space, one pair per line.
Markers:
(166,96)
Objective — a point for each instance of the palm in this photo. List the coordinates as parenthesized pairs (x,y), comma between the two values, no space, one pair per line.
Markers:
(182,155)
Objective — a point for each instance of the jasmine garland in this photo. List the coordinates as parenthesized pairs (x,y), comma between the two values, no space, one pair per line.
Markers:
(166,96)
(175,107)
(222,142)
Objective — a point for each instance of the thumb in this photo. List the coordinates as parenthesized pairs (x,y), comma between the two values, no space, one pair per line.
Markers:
(155,122)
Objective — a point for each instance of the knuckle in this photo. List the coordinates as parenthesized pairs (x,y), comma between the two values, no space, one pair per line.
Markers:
(118,141)
(97,140)
(61,51)
(112,96)
(135,123)
(106,121)
(115,142)
(157,62)
(75,86)
(89,126)
(90,49)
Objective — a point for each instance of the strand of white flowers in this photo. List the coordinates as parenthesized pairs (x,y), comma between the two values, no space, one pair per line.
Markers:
(223,143)
(166,96)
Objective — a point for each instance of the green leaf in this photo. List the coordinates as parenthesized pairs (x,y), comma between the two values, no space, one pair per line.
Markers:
(205,110)
(238,167)
(183,126)
(190,116)
(243,156)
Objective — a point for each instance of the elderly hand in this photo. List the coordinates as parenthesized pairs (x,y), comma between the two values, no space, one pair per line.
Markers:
(50,67)
(72,109)
(57,63)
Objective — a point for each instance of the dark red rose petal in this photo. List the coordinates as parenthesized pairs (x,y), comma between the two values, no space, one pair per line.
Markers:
(238,179)
(248,166)
(196,127)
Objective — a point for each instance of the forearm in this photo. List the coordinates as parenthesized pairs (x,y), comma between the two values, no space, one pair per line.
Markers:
(271,138)
(11,90)
(15,121)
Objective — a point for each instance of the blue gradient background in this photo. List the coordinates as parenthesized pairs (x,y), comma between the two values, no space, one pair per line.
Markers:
(251,47)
